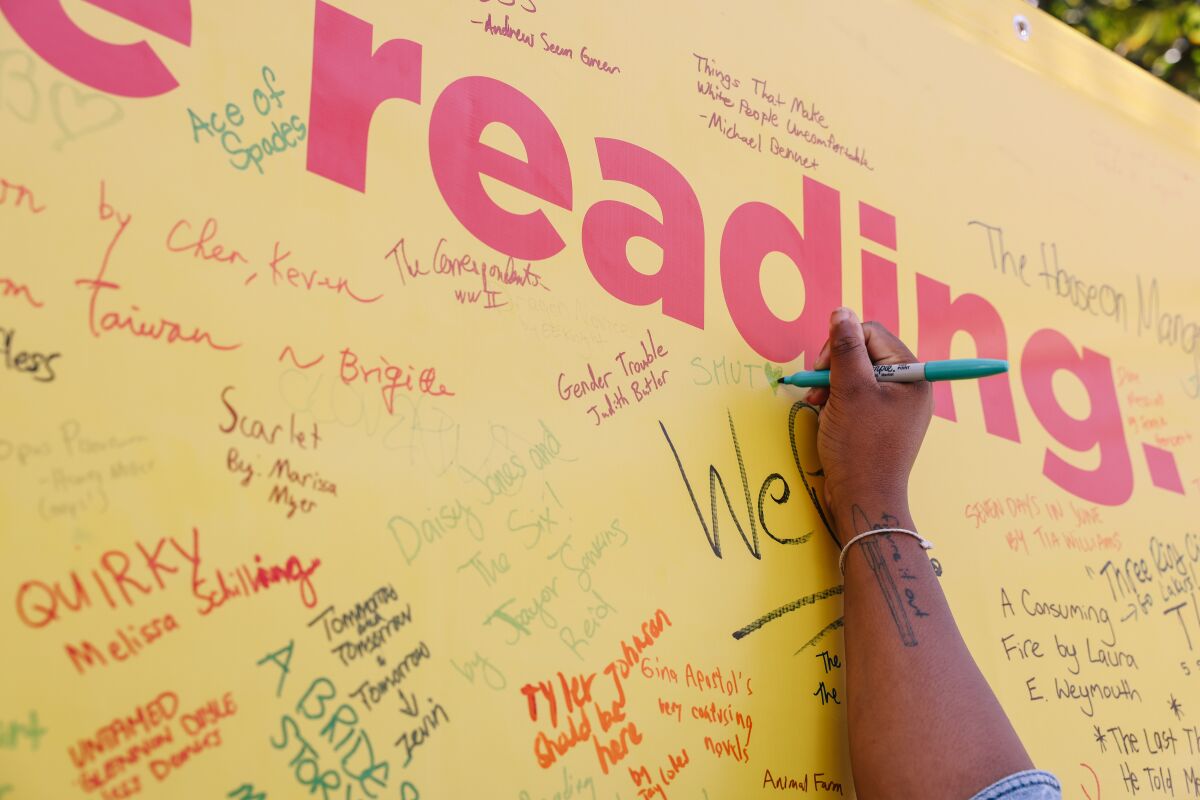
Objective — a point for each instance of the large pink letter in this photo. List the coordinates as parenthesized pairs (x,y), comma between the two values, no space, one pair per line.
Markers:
(348,84)
(610,224)
(881,300)
(128,70)
(756,229)
(460,159)
(938,319)
(1111,482)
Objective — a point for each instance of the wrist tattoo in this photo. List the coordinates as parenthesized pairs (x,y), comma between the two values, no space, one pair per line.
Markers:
(886,562)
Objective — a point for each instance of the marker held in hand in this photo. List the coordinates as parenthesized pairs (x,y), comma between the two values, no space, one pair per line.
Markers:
(953,370)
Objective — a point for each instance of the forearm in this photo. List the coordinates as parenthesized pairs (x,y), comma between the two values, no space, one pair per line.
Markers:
(908,670)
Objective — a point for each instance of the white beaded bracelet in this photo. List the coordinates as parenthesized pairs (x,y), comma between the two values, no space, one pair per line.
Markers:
(925,543)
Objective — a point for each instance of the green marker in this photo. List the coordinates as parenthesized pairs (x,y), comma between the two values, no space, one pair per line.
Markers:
(958,369)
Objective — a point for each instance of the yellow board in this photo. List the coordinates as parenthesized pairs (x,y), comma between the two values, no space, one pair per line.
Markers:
(388,405)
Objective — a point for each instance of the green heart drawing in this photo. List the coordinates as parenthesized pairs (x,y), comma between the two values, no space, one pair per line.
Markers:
(81,113)
(773,374)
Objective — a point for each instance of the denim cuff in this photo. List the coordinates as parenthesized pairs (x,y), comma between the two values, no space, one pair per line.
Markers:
(1031,784)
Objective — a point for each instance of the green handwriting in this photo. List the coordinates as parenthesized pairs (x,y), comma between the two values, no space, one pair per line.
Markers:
(12,733)
(247,149)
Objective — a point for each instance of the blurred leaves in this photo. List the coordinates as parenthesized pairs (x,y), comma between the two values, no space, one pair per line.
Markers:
(1162,36)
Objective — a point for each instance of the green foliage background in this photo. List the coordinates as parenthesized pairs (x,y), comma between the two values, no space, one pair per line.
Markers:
(1163,36)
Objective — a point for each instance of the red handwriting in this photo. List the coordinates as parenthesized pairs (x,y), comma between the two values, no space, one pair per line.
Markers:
(1095,780)
(1027,506)
(1145,400)
(161,768)
(641,372)
(10,288)
(123,576)
(201,247)
(577,692)
(263,576)
(252,428)
(1126,376)
(123,645)
(299,279)
(182,238)
(615,735)
(593,383)
(492,277)
(645,783)
(632,654)
(526,5)
(110,321)
(23,195)
(288,351)
(124,729)
(391,378)
(610,753)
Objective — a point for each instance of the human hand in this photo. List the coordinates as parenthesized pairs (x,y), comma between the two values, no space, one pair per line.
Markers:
(868,433)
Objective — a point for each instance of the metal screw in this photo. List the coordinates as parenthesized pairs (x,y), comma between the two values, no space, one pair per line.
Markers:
(1021,26)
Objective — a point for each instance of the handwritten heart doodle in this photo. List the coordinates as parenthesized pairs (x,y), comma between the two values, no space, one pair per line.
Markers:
(80,113)
(772,372)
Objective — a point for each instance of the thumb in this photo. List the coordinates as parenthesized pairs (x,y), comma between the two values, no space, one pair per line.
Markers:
(849,363)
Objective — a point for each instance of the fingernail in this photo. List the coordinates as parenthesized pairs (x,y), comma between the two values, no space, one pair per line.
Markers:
(808,397)
(840,314)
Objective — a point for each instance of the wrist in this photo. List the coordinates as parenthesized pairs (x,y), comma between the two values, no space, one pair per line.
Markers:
(866,486)
(863,512)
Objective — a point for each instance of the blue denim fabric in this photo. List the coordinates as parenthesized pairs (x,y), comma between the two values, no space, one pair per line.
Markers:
(1032,784)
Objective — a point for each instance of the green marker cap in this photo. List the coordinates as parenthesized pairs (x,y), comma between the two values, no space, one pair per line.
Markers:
(964,369)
